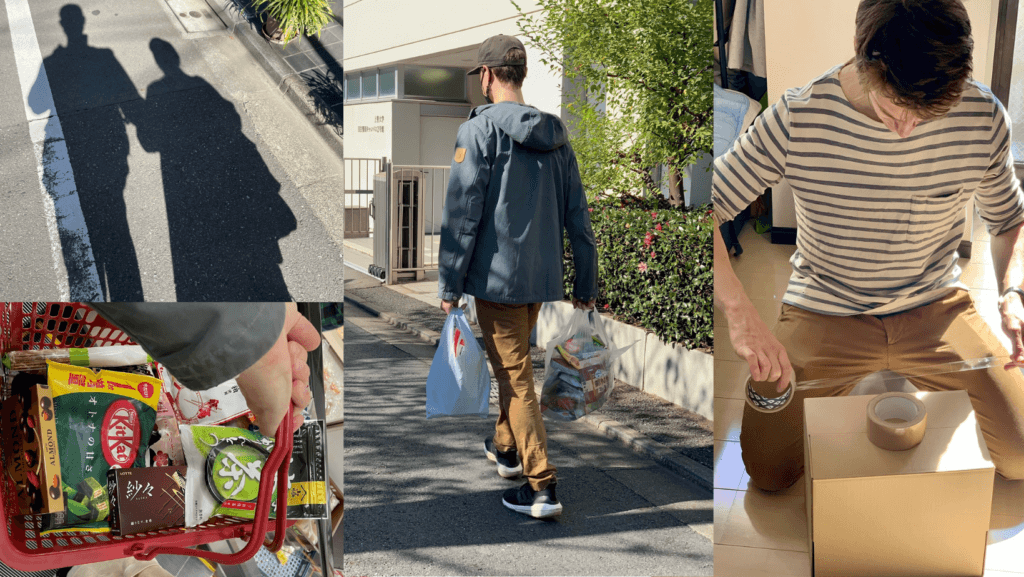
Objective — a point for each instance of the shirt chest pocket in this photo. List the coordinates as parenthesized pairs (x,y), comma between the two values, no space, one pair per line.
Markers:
(932,217)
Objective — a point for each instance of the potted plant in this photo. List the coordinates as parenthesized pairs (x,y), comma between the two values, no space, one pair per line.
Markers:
(286,19)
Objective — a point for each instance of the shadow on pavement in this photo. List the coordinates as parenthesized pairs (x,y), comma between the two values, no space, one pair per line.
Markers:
(83,77)
(224,208)
(416,484)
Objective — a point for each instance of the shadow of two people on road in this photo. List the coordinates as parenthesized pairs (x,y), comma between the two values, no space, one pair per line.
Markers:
(225,214)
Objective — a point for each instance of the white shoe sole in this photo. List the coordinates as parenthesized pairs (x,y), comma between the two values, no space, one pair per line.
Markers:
(539,511)
(503,470)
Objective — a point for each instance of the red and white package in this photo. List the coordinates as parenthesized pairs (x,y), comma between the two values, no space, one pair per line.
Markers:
(166,450)
(214,406)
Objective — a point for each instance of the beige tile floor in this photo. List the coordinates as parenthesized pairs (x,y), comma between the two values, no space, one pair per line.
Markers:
(759,534)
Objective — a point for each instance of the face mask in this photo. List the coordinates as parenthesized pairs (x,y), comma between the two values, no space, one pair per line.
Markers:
(487,91)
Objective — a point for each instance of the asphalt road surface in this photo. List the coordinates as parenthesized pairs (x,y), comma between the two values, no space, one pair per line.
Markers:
(422,499)
(141,161)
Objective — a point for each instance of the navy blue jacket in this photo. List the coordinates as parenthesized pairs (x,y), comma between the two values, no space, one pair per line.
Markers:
(514,187)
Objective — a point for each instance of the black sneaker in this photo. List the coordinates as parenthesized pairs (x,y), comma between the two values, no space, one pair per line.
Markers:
(508,461)
(540,504)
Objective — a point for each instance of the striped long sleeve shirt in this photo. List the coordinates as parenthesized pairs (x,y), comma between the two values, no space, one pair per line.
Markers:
(879,217)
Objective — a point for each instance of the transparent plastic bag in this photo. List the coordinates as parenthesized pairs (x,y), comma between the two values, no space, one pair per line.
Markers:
(577,368)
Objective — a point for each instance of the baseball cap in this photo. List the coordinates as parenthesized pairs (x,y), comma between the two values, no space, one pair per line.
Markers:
(493,50)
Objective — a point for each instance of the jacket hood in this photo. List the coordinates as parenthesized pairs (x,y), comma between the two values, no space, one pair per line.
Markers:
(525,124)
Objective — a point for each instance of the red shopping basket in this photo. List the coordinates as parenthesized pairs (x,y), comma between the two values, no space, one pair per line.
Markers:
(33,326)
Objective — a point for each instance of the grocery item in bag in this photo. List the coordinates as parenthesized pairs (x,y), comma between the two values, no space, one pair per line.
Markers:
(104,420)
(225,466)
(165,442)
(107,357)
(146,499)
(214,406)
(31,437)
(458,382)
(577,378)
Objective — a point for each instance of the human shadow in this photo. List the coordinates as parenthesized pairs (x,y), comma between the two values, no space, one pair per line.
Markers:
(82,77)
(225,213)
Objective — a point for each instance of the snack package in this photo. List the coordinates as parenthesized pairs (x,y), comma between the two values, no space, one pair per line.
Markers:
(146,499)
(34,463)
(112,356)
(104,420)
(214,406)
(165,443)
(577,378)
(225,466)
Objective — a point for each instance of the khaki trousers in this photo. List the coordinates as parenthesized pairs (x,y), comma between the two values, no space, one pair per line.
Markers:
(832,347)
(506,329)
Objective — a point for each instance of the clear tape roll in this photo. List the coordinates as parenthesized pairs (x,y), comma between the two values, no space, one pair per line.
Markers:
(766,404)
(896,421)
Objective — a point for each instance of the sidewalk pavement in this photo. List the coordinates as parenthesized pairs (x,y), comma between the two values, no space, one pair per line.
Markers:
(631,417)
(424,500)
(308,69)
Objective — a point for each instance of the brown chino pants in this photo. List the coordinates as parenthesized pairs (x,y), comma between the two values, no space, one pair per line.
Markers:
(506,329)
(822,346)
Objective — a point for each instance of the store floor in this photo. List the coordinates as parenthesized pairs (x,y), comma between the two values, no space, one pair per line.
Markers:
(759,534)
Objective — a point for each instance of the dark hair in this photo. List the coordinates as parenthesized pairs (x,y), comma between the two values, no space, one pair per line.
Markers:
(512,75)
(915,52)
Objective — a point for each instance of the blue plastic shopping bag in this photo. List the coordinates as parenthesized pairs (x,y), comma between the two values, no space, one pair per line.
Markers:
(458,383)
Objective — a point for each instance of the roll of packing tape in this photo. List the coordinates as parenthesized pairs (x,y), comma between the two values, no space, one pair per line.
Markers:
(769,404)
(896,421)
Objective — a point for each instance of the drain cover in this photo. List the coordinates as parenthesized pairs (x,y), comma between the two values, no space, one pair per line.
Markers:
(195,15)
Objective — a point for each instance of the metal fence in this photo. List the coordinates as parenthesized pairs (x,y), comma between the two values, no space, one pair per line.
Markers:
(359,173)
(407,206)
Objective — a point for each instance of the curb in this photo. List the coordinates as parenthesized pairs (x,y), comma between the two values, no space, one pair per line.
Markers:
(638,442)
(288,82)
(431,337)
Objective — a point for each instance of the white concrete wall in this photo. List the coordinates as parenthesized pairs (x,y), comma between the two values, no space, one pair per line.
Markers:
(384,32)
(368,144)
(437,139)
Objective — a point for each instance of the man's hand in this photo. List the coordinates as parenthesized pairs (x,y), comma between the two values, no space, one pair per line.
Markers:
(754,341)
(277,385)
(585,305)
(1012,311)
(449,306)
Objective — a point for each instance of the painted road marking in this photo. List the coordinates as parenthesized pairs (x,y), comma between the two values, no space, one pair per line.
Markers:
(73,259)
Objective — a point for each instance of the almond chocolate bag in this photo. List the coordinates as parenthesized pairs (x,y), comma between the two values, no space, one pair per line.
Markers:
(104,421)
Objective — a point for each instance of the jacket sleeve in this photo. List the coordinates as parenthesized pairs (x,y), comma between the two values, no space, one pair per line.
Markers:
(464,204)
(581,235)
(201,344)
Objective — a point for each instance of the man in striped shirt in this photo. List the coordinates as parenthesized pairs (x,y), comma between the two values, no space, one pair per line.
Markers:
(883,153)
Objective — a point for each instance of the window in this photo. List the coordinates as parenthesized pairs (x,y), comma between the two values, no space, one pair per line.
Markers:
(435,83)
(387,80)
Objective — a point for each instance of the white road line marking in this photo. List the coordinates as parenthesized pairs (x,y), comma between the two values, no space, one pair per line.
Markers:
(76,277)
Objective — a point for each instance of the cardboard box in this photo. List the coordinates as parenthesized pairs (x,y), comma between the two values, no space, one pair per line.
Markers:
(146,499)
(920,512)
(33,464)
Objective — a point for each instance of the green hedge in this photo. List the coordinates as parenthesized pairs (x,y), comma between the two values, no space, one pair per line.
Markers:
(655,270)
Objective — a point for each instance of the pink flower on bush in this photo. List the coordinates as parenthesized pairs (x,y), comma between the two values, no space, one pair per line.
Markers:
(654,215)
(643,267)
(652,254)
(657,226)
(648,239)
(590,210)
(607,306)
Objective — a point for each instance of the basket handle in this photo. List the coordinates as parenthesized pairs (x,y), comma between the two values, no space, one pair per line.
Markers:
(278,462)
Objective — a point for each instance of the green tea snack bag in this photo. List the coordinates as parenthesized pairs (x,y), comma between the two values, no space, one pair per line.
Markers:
(104,420)
(225,466)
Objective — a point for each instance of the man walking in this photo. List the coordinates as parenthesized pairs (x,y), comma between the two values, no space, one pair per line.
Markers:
(514,187)
(883,153)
